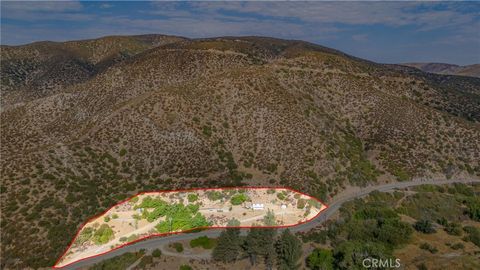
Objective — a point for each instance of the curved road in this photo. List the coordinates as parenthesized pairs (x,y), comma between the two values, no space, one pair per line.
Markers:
(334,206)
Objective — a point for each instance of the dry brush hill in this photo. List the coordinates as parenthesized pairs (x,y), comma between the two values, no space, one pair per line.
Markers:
(448,69)
(87,123)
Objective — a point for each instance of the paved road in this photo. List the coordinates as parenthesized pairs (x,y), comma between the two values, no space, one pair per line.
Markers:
(334,206)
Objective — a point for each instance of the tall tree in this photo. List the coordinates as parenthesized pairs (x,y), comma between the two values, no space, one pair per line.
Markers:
(260,242)
(269,219)
(289,251)
(228,246)
(320,259)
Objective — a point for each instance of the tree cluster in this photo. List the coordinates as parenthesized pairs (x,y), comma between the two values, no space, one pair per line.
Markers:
(263,244)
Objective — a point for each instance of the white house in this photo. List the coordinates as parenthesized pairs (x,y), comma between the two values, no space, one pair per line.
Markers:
(258,206)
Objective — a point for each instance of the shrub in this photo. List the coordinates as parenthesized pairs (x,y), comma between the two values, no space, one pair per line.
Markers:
(424,226)
(214,195)
(119,262)
(178,247)
(473,235)
(134,199)
(207,131)
(103,235)
(301,203)
(427,246)
(145,261)
(453,229)
(156,253)
(238,199)
(192,197)
(457,246)
(269,219)
(132,237)
(85,235)
(203,241)
(233,222)
(422,266)
(473,209)
(185,267)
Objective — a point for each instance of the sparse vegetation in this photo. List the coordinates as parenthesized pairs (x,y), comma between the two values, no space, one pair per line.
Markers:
(373,227)
(77,143)
(119,262)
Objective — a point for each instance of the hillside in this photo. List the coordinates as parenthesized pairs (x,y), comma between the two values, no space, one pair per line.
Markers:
(42,68)
(447,69)
(81,131)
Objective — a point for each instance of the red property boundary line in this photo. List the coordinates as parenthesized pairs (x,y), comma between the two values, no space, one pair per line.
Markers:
(185,231)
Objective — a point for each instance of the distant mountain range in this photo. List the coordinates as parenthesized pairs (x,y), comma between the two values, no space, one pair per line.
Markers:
(447,69)
(88,123)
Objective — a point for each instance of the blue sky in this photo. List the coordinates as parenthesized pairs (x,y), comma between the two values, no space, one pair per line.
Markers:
(388,32)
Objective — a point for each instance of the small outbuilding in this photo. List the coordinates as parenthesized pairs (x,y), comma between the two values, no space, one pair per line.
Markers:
(258,206)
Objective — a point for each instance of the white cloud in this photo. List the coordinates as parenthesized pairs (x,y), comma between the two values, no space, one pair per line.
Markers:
(42,6)
(353,13)
(43,10)
(106,6)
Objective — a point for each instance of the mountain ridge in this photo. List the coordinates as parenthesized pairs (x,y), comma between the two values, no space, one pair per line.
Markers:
(219,112)
(447,69)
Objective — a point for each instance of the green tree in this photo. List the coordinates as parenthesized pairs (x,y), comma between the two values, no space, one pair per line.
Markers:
(156,253)
(393,232)
(228,246)
(320,259)
(269,219)
(260,242)
(289,251)
(350,254)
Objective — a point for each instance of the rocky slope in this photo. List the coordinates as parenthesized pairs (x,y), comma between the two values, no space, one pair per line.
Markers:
(81,131)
